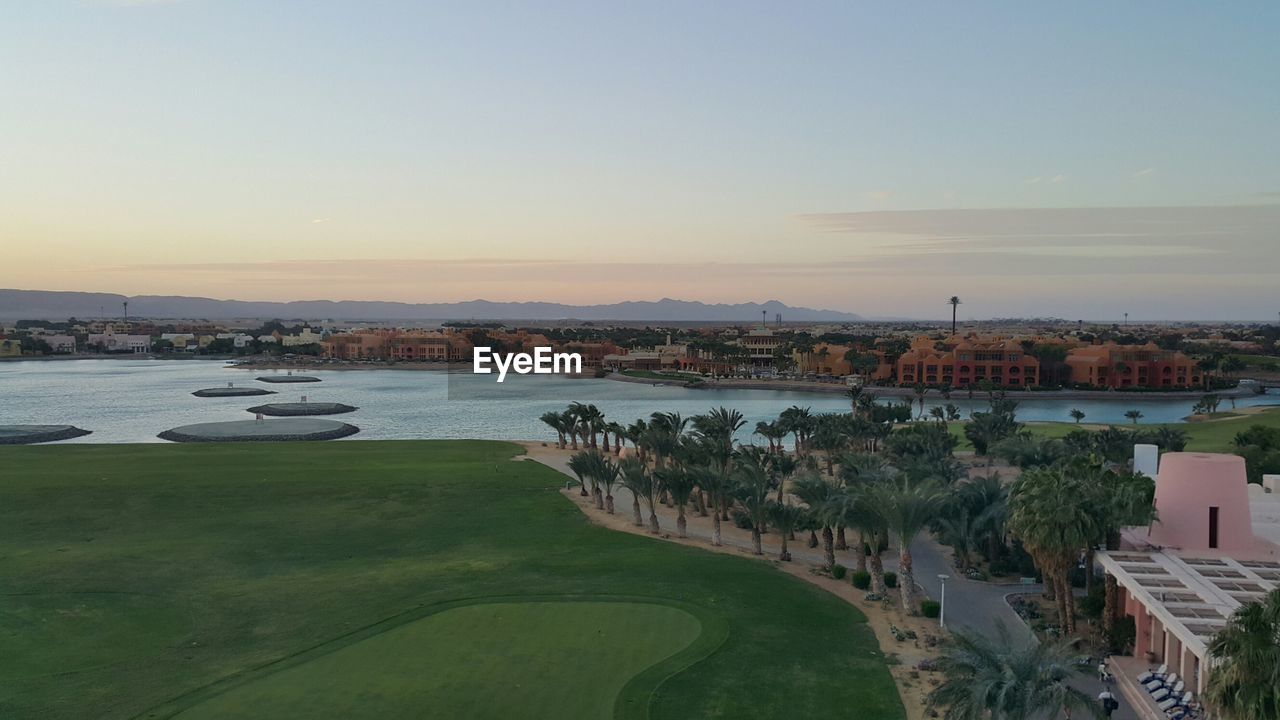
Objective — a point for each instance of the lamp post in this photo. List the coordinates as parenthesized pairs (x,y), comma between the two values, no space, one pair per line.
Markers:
(942,601)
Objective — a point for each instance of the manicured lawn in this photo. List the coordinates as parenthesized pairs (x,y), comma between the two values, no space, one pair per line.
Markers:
(651,375)
(386,579)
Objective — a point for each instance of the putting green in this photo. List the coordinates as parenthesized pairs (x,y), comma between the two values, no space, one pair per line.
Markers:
(108,628)
(497,660)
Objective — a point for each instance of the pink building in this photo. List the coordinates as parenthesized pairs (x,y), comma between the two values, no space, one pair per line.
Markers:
(1212,549)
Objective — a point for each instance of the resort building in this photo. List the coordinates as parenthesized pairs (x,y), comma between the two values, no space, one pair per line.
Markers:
(967,361)
(1121,366)
(1214,548)
(305,336)
(760,344)
(110,342)
(429,347)
(829,359)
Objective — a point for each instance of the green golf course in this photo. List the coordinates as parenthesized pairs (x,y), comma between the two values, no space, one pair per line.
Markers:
(386,579)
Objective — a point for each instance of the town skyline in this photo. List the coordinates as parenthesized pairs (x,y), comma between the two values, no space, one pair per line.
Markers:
(1077,162)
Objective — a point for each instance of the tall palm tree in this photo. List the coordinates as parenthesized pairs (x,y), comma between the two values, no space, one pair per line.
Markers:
(579,464)
(1133,415)
(1077,414)
(786,518)
(752,483)
(906,511)
(998,679)
(1050,513)
(797,421)
(608,477)
(1244,683)
(954,302)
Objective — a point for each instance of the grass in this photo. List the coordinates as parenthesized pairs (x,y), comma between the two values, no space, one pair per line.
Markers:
(1215,436)
(376,579)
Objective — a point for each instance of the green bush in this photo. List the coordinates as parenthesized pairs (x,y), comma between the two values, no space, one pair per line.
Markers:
(930,608)
(862,579)
(891,580)
(838,572)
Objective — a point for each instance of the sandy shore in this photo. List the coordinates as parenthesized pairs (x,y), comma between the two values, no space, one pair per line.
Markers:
(913,685)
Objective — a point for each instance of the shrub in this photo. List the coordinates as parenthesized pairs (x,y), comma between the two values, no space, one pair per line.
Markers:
(862,579)
(838,572)
(930,608)
(891,580)
(741,520)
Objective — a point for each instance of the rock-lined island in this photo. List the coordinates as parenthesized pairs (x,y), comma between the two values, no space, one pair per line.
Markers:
(30,434)
(283,430)
(299,409)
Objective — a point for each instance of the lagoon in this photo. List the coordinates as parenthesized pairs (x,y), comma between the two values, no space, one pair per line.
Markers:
(132,400)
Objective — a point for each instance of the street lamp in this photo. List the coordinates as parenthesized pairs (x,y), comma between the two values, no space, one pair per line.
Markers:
(942,601)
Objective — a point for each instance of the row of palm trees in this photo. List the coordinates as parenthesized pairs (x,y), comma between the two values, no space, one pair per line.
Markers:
(694,465)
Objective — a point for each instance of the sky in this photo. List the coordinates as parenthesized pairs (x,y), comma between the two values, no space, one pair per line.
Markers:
(1075,160)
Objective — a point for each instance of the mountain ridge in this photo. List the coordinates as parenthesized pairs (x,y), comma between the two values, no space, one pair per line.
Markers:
(58,305)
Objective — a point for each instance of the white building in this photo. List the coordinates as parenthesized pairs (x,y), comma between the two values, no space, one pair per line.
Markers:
(61,343)
(304,337)
(110,342)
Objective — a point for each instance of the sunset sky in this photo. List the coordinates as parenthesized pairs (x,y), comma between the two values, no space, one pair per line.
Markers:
(1080,160)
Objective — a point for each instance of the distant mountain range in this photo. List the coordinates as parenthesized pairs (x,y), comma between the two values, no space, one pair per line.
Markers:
(51,305)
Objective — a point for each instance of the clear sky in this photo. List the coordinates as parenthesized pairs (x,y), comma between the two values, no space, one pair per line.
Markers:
(1070,159)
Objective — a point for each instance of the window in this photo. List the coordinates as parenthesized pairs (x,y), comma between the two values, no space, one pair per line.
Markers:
(1213,527)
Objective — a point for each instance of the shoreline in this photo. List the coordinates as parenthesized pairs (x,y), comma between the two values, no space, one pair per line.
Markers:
(909,393)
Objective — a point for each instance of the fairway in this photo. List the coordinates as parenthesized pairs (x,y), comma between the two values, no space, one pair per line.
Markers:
(386,579)
(487,661)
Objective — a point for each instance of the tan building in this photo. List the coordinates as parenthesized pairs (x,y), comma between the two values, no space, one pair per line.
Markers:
(1120,366)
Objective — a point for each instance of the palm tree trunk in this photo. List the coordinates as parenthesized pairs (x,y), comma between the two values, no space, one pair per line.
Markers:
(699,504)
(715,529)
(1088,571)
(681,524)
(813,539)
(606,442)
(828,546)
(784,555)
(860,554)
(877,574)
(653,522)
(841,543)
(906,580)
(1109,593)
(756,548)
(599,497)
(635,511)
(608,503)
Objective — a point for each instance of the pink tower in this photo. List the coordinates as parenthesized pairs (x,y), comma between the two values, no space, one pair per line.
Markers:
(1202,504)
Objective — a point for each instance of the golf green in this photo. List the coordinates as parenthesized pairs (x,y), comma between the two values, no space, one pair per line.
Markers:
(378,579)
(488,660)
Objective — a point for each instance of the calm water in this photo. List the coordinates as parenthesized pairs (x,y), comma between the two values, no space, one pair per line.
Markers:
(133,400)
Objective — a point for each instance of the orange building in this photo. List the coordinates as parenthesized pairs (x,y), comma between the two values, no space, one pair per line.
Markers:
(968,361)
(829,359)
(1119,366)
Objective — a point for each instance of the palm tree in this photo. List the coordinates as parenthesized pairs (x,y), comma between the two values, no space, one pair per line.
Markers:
(818,495)
(786,518)
(1244,683)
(954,302)
(1134,416)
(578,464)
(635,477)
(906,511)
(797,421)
(608,477)
(1077,415)
(1049,511)
(997,679)
(679,483)
(619,433)
(752,484)
(555,421)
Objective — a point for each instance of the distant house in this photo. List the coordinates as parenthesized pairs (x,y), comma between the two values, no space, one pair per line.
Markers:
(61,343)
(10,348)
(304,337)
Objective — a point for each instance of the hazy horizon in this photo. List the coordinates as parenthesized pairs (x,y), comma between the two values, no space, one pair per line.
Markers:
(1079,161)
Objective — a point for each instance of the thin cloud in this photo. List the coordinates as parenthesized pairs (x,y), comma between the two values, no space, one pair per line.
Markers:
(1144,172)
(880,195)
(317,221)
